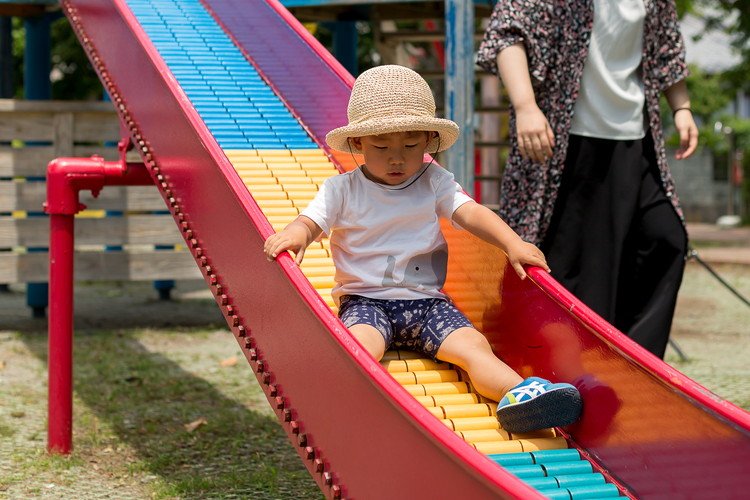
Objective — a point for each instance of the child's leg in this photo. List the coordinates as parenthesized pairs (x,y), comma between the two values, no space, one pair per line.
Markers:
(367,322)
(370,338)
(469,349)
(523,405)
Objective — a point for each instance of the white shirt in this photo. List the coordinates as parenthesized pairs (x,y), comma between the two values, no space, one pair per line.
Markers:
(611,98)
(386,241)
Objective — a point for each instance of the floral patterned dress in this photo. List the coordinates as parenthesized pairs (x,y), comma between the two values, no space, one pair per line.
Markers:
(556,35)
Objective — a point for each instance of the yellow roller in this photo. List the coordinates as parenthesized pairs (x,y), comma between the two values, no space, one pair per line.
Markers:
(426,364)
(318,262)
(436,412)
(540,434)
(520,445)
(270,195)
(470,410)
(484,435)
(318,272)
(441,388)
(275,203)
(436,376)
(283,167)
(280,219)
(264,188)
(293,179)
(322,281)
(558,443)
(273,153)
(252,171)
(249,160)
(252,180)
(499,446)
(304,198)
(416,390)
(281,211)
(395,366)
(402,355)
(271,160)
(297,189)
(240,154)
(315,165)
(414,365)
(321,171)
(301,203)
(473,423)
(449,399)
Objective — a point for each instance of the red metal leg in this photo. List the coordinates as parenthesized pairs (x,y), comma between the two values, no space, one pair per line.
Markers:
(60,335)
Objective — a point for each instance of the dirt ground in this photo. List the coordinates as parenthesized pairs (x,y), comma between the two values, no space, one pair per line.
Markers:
(710,329)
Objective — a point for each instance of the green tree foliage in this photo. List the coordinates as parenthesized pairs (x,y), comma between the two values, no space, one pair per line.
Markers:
(71,74)
(733,17)
(712,94)
(724,133)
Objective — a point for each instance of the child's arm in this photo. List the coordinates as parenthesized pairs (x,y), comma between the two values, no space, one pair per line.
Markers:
(295,237)
(487,225)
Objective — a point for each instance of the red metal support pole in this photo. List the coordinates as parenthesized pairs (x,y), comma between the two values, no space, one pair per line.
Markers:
(60,334)
(66,177)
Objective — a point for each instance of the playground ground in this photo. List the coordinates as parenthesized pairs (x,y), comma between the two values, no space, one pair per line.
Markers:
(166,406)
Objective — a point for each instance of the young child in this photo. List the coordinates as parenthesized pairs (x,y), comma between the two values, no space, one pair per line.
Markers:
(390,254)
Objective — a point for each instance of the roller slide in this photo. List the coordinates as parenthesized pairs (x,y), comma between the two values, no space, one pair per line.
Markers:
(228,103)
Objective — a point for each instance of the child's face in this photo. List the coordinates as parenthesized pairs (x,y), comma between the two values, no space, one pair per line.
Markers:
(393,158)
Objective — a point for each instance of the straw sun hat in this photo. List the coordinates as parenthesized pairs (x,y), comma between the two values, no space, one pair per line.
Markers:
(389,99)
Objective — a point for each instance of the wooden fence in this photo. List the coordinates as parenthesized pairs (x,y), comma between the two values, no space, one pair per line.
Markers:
(108,247)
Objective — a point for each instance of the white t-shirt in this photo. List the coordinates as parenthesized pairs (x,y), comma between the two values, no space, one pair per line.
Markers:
(611,98)
(386,241)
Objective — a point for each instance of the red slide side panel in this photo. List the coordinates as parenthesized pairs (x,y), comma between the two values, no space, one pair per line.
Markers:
(370,436)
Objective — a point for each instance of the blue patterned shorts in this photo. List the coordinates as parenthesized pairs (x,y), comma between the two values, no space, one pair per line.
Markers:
(419,325)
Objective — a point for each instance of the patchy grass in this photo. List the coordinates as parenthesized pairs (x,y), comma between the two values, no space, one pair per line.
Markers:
(134,406)
(158,413)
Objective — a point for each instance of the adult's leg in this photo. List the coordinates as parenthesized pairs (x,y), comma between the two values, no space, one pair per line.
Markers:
(652,277)
(469,349)
(596,203)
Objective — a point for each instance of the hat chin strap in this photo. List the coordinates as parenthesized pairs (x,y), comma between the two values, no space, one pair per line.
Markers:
(349,143)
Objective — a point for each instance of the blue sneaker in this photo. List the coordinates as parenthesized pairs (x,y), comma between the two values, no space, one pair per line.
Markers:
(536,404)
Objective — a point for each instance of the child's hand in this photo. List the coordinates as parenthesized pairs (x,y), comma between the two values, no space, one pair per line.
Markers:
(290,238)
(295,237)
(521,252)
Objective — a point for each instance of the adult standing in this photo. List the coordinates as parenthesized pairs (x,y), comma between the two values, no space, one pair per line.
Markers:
(587,177)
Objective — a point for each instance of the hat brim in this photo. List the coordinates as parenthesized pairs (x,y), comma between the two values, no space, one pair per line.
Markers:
(447,130)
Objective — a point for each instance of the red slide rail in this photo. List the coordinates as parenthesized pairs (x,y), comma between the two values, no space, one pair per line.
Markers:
(358,432)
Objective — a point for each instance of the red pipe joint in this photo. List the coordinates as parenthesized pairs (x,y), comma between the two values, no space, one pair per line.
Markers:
(67,176)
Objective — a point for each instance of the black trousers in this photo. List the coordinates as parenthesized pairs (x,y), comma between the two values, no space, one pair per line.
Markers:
(615,241)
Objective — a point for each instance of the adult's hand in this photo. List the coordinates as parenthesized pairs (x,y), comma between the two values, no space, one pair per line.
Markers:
(534,134)
(688,130)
